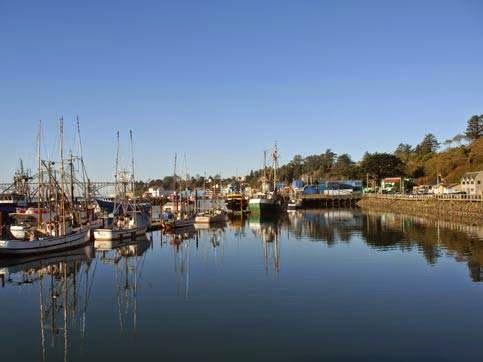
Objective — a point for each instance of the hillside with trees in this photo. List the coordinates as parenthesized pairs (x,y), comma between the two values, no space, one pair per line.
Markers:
(423,162)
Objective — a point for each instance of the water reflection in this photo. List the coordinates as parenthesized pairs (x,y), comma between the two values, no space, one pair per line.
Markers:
(269,233)
(188,271)
(385,232)
(64,282)
(127,260)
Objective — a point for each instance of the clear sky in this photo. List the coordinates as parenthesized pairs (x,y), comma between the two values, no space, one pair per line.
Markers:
(222,80)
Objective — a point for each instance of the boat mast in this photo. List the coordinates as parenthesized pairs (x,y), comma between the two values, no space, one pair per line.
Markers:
(116,176)
(39,191)
(175,186)
(265,165)
(85,178)
(71,171)
(275,166)
(62,172)
(133,180)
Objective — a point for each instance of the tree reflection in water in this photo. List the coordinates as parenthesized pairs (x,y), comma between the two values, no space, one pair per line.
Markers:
(386,231)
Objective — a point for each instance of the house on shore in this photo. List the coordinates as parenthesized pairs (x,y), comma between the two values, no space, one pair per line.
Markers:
(156,192)
(472,183)
(447,189)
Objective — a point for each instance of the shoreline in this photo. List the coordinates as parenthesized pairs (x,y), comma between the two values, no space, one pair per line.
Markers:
(467,213)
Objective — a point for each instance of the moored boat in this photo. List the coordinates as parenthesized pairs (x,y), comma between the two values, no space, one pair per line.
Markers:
(45,244)
(128,219)
(236,203)
(211,217)
(264,205)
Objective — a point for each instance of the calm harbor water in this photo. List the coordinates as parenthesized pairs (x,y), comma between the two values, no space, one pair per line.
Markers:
(315,285)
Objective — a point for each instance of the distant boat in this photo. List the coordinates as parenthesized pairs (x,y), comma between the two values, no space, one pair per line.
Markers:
(108,206)
(266,203)
(211,217)
(236,203)
(179,222)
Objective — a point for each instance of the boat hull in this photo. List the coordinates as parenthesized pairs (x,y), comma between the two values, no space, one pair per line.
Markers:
(47,245)
(210,219)
(263,207)
(238,204)
(112,234)
(179,224)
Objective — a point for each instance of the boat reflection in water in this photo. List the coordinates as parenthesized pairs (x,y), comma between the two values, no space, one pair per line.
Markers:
(220,282)
(64,281)
(127,259)
(268,230)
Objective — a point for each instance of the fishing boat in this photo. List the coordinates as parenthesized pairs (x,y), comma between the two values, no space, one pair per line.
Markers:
(264,205)
(211,217)
(170,220)
(266,202)
(180,213)
(56,234)
(236,203)
(127,228)
(127,220)
(45,244)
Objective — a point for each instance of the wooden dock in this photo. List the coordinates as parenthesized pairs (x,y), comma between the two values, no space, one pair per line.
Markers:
(330,201)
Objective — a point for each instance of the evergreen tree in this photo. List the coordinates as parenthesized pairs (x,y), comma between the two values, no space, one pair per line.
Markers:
(474,130)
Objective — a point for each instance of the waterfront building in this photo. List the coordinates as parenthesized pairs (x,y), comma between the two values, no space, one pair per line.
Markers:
(472,183)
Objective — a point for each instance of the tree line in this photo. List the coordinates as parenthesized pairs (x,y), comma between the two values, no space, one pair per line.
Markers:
(423,162)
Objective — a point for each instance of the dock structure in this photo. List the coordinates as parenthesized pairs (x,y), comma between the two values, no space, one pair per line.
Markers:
(330,201)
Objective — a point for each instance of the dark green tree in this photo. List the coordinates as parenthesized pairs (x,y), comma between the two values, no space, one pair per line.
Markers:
(403,151)
(381,165)
(474,130)
(428,145)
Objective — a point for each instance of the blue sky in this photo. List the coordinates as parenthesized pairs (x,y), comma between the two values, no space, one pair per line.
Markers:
(222,80)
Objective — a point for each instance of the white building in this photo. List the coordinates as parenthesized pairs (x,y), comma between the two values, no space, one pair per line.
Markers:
(156,192)
(472,183)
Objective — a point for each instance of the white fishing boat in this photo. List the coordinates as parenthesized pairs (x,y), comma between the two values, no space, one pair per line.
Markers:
(210,217)
(45,244)
(124,230)
(59,231)
(180,222)
(128,219)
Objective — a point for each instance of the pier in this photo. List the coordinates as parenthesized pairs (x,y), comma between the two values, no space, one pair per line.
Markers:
(330,201)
